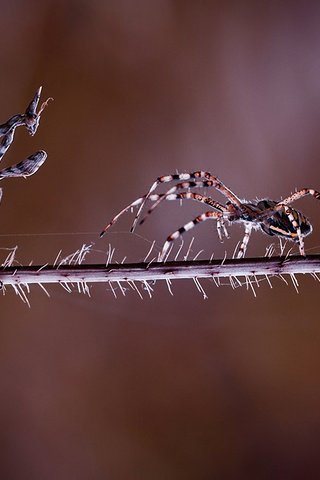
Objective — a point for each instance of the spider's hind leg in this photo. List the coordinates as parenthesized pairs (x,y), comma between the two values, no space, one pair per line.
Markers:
(300,226)
(289,212)
(297,228)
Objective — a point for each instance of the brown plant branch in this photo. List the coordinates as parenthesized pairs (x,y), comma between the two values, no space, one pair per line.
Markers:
(143,272)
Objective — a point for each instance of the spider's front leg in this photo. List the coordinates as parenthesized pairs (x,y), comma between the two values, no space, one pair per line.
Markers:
(174,196)
(171,195)
(173,191)
(205,179)
(219,216)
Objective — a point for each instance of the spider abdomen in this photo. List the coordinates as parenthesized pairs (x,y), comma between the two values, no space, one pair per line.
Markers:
(281,225)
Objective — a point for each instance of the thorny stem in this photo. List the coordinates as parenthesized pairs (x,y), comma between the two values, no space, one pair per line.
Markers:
(142,272)
(71,270)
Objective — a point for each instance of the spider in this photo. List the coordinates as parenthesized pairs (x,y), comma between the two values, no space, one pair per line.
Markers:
(270,216)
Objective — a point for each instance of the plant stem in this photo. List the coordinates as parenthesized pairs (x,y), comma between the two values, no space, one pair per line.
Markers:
(159,271)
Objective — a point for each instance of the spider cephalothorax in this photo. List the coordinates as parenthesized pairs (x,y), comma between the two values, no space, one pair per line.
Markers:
(270,216)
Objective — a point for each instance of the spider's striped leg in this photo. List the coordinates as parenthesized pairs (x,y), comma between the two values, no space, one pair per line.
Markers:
(176,188)
(292,215)
(203,199)
(221,229)
(299,194)
(297,228)
(193,196)
(292,198)
(206,176)
(137,202)
(288,200)
(188,226)
(163,196)
(154,198)
(245,241)
(27,167)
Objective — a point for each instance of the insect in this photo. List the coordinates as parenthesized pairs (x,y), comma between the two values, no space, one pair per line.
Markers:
(30,119)
(270,216)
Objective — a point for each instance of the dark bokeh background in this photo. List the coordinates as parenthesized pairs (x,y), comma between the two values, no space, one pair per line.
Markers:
(172,387)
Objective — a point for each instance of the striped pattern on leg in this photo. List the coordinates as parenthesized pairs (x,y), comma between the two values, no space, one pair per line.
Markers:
(297,228)
(299,194)
(185,195)
(153,198)
(288,200)
(188,226)
(245,241)
(176,188)
(164,196)
(206,176)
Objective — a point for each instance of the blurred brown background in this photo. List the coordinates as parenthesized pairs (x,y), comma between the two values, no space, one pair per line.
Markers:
(174,386)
